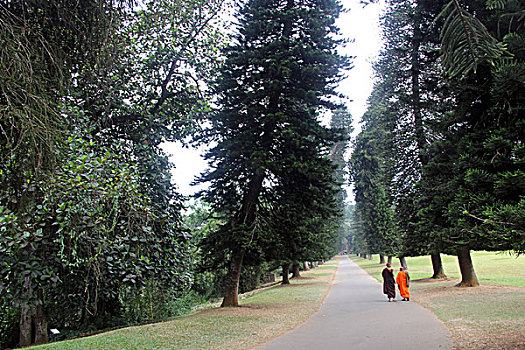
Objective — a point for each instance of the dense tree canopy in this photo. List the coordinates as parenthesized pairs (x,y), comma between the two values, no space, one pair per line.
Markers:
(279,73)
(88,213)
(92,230)
(455,174)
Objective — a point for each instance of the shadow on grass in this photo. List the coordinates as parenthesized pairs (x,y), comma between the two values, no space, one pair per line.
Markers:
(372,266)
(434,280)
(292,285)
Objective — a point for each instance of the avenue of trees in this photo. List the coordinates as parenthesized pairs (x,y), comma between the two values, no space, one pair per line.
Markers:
(439,164)
(92,231)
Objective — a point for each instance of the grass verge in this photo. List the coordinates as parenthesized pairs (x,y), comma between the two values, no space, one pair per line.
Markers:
(491,267)
(487,317)
(262,316)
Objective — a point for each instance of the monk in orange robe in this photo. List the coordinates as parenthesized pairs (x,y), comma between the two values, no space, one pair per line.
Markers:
(402,283)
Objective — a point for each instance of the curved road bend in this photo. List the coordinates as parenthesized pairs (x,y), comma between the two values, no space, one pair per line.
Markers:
(356,315)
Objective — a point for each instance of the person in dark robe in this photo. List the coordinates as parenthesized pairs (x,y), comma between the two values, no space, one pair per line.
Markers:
(389,286)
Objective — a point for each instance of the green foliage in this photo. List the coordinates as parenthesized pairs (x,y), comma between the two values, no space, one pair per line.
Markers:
(199,223)
(466,42)
(464,188)
(89,92)
(154,302)
(373,216)
(278,77)
(9,320)
(489,198)
(343,120)
(89,235)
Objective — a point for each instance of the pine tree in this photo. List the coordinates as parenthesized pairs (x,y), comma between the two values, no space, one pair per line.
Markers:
(407,99)
(370,174)
(280,71)
(484,136)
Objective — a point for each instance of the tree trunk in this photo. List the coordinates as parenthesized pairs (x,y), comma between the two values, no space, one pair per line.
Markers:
(370,256)
(381,259)
(437,265)
(468,276)
(416,93)
(286,273)
(403,262)
(26,325)
(246,216)
(33,324)
(305,266)
(231,283)
(296,271)
(40,325)
(389,260)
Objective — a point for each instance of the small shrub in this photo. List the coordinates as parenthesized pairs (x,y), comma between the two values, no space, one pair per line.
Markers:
(9,325)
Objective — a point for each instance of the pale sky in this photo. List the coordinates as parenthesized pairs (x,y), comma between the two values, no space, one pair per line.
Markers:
(360,24)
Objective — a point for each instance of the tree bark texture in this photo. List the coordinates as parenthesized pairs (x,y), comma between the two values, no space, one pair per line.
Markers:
(403,262)
(33,324)
(437,266)
(389,260)
(231,283)
(296,270)
(305,266)
(246,217)
(286,273)
(381,259)
(468,275)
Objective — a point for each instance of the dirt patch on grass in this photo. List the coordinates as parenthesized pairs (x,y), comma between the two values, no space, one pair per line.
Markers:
(477,339)
(434,280)
(484,317)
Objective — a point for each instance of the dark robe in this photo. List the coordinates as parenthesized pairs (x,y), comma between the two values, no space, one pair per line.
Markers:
(389,287)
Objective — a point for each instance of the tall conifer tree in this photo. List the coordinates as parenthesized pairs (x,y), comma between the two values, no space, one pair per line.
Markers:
(280,71)
(480,155)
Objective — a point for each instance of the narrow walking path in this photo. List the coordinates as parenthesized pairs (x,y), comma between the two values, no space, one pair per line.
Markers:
(356,315)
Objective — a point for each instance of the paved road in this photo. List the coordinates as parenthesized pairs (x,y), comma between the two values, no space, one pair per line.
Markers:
(356,315)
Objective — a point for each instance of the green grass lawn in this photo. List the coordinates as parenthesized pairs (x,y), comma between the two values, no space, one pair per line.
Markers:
(490,267)
(261,316)
(487,317)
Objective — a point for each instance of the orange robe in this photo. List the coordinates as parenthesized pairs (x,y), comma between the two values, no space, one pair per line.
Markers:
(402,284)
